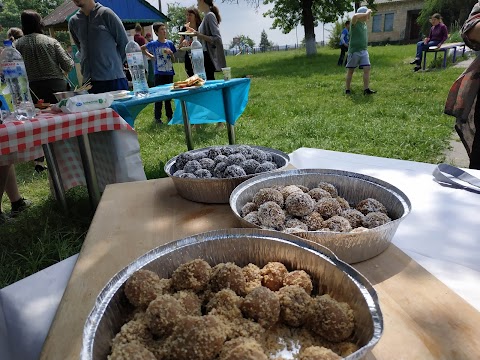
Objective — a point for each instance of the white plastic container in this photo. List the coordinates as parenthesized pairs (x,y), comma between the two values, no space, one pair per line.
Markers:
(197,59)
(136,66)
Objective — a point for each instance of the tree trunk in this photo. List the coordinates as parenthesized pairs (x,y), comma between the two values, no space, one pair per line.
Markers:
(308,20)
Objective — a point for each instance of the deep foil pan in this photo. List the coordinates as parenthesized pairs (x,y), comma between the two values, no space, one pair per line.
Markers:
(241,246)
(351,247)
(215,190)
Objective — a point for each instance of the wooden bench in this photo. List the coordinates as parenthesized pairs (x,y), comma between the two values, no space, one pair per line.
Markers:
(444,48)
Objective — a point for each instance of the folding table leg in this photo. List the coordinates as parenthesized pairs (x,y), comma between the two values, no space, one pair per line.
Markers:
(445,59)
(89,170)
(424,59)
(454,54)
(230,127)
(57,182)
(186,125)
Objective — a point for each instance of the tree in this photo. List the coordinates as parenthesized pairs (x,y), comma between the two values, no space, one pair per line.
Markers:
(264,42)
(287,14)
(334,41)
(242,42)
(176,13)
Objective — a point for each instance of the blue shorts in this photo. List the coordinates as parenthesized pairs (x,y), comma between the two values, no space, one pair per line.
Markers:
(359,58)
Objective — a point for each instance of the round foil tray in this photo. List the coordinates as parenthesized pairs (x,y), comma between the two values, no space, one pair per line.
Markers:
(215,190)
(351,247)
(242,246)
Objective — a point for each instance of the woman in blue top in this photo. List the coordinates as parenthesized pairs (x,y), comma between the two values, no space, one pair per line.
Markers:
(162,51)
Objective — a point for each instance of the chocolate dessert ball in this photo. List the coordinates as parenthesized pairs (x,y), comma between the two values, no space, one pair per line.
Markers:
(131,351)
(235,159)
(271,215)
(142,288)
(196,337)
(328,187)
(193,275)
(207,164)
(314,221)
(163,314)
(213,152)
(318,353)
(328,207)
(374,219)
(228,150)
(220,158)
(190,301)
(331,319)
(245,150)
(182,159)
(228,276)
(187,175)
(299,204)
(259,155)
(300,278)
(303,188)
(203,174)
(273,274)
(248,208)
(219,169)
(295,223)
(225,303)
(242,349)
(263,306)
(250,165)
(192,166)
(265,166)
(354,217)
(252,217)
(233,171)
(253,277)
(337,223)
(197,155)
(268,194)
(178,173)
(370,205)
(317,193)
(289,190)
(343,203)
(294,305)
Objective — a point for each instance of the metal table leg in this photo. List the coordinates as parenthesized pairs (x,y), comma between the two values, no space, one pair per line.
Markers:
(230,127)
(55,175)
(186,125)
(89,169)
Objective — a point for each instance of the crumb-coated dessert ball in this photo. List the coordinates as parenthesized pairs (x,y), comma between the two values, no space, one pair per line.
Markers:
(242,349)
(220,158)
(293,230)
(328,187)
(303,188)
(328,207)
(225,303)
(345,348)
(252,217)
(190,301)
(263,306)
(354,217)
(133,331)
(193,275)
(182,159)
(228,276)
(142,288)
(337,223)
(233,171)
(197,155)
(192,166)
(273,274)
(259,155)
(331,319)
(343,203)
(131,351)
(178,173)
(227,150)
(219,169)
(196,337)
(317,193)
(370,205)
(207,164)
(289,190)
(296,223)
(203,174)
(250,165)
(268,194)
(300,278)
(318,353)
(253,276)
(265,166)
(235,159)
(314,221)
(374,219)
(187,175)
(271,215)
(245,150)
(299,204)
(248,208)
(163,314)
(213,152)
(294,305)
(359,229)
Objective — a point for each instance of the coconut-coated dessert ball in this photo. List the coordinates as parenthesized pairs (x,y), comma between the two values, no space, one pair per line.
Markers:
(374,219)
(271,215)
(370,205)
(299,204)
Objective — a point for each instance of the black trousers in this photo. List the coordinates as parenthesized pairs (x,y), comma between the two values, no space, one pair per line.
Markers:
(209,67)
(343,50)
(475,154)
(44,89)
(162,80)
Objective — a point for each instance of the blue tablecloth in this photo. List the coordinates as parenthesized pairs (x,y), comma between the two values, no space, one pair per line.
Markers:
(215,101)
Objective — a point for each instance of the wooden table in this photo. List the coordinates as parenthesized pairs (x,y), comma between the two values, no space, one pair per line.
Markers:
(423,318)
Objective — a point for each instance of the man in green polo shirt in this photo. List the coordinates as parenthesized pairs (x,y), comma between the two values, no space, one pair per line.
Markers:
(357,50)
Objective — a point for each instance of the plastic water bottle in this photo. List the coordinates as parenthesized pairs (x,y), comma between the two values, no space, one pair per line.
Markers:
(16,79)
(197,59)
(137,68)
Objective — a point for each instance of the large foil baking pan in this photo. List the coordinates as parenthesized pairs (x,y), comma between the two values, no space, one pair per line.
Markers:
(350,247)
(241,246)
(216,191)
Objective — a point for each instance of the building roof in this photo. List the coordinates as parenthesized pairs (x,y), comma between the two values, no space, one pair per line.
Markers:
(129,11)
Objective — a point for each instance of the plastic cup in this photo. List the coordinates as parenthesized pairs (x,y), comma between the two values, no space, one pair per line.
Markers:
(227,73)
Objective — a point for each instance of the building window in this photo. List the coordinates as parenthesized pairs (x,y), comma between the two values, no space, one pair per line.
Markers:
(377,23)
(388,25)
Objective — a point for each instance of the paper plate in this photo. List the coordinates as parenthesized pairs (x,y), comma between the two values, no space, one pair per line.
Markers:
(186,33)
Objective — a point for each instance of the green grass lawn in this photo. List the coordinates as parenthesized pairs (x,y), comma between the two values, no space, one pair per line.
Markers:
(295,101)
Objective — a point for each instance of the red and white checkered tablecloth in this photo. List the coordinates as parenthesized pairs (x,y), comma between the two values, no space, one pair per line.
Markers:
(22,141)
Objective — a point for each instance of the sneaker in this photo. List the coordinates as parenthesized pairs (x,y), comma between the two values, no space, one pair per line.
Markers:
(368,92)
(39,168)
(158,121)
(348,92)
(4,218)
(19,206)
(414,61)
(416,68)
